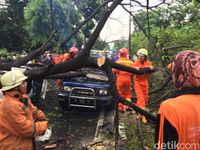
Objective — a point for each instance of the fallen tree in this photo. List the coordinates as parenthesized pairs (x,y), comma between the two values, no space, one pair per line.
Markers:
(82,60)
(61,70)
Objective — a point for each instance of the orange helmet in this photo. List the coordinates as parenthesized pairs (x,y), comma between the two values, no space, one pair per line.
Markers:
(73,50)
(123,51)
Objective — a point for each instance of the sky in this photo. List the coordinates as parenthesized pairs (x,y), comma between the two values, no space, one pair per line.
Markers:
(117,26)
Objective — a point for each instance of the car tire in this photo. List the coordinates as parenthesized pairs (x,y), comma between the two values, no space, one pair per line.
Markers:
(109,107)
(63,105)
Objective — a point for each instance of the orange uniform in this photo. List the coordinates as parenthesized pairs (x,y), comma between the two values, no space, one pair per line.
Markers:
(183,114)
(141,84)
(62,58)
(65,57)
(17,123)
(124,79)
(58,59)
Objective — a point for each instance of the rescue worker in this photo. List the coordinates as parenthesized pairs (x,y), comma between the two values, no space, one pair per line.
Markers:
(123,80)
(66,57)
(20,120)
(56,58)
(71,54)
(179,115)
(141,80)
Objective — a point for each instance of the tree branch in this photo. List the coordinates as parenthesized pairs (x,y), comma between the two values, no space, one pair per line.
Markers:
(83,23)
(163,2)
(175,47)
(140,27)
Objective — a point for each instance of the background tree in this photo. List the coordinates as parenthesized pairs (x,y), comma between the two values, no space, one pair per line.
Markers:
(120,43)
(101,45)
(86,8)
(38,20)
(13,37)
(63,15)
(177,24)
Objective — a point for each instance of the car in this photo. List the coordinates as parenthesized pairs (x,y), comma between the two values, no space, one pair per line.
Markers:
(91,91)
(36,88)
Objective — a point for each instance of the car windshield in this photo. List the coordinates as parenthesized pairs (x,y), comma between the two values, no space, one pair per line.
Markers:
(95,74)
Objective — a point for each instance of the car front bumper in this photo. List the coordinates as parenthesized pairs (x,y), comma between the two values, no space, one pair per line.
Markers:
(100,101)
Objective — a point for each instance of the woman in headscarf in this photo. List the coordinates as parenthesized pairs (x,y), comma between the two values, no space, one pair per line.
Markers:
(179,116)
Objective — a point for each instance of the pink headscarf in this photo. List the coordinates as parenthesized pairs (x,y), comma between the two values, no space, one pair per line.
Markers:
(186,70)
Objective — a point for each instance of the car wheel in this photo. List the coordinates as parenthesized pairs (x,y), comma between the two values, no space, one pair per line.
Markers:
(63,105)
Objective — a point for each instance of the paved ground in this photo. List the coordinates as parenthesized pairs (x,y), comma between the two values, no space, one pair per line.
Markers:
(70,130)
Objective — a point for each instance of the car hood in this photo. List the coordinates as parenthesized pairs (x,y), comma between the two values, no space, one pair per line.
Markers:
(86,82)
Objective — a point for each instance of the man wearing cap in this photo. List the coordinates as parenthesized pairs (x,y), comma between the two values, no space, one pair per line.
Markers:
(141,80)
(20,120)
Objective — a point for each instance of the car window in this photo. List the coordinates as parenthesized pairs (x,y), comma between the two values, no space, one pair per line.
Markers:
(100,53)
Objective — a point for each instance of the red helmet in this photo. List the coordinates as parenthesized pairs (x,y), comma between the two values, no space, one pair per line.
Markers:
(73,50)
(123,51)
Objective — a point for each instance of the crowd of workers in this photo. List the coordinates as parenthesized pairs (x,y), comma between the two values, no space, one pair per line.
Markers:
(178,117)
(124,81)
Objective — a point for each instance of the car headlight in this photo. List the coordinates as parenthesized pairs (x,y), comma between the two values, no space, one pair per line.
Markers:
(103,92)
(67,88)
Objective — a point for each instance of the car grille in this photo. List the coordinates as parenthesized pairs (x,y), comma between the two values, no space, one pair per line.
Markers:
(82,92)
(82,97)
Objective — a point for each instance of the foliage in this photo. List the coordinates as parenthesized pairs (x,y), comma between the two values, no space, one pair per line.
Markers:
(64,17)
(101,45)
(121,43)
(38,14)
(178,24)
(86,8)
(26,24)
(3,52)
(13,36)
(134,141)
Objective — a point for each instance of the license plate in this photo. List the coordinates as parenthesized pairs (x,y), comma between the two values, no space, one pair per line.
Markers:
(82,101)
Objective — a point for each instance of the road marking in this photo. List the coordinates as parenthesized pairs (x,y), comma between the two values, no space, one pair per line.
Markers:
(99,126)
(122,132)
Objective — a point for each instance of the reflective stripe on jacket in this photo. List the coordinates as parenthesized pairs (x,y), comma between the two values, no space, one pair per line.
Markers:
(126,62)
